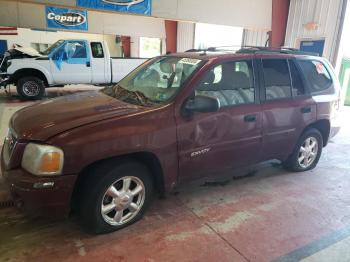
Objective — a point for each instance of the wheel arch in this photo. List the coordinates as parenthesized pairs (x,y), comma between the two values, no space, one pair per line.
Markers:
(29,72)
(324,127)
(150,160)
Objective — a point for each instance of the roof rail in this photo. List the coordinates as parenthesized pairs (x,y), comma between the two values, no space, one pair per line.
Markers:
(282,50)
(254,50)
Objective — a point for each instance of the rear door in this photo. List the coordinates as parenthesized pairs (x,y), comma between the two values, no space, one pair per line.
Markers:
(231,137)
(70,64)
(287,106)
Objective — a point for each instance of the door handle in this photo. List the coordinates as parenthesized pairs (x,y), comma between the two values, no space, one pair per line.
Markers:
(305,110)
(250,118)
(88,64)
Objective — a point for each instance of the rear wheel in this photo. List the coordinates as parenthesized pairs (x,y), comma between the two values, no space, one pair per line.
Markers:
(307,151)
(30,88)
(115,196)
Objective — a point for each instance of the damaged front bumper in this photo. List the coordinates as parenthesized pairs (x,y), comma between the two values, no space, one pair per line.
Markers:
(4,79)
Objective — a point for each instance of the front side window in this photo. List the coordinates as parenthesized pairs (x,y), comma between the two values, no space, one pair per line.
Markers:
(317,75)
(276,79)
(156,81)
(76,49)
(232,83)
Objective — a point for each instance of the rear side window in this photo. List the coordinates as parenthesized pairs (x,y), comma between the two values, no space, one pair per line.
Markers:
(276,79)
(298,88)
(97,50)
(316,74)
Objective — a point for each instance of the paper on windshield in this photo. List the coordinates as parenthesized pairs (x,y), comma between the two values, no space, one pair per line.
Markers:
(190,61)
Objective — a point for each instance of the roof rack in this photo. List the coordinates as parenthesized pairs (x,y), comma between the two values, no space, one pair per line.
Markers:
(253,49)
(282,50)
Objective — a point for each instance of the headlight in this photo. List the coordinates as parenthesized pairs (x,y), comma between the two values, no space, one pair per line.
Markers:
(42,160)
(9,63)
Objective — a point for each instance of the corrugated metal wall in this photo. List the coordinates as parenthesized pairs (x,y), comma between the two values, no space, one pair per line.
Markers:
(254,37)
(185,36)
(326,13)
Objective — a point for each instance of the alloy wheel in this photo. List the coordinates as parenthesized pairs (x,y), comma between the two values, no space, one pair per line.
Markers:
(308,152)
(123,200)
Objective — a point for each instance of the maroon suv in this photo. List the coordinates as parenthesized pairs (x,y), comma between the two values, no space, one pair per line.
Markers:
(174,118)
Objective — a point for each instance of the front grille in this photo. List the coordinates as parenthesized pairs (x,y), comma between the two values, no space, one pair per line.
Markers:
(6,204)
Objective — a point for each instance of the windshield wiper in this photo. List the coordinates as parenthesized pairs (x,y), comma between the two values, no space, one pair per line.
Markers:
(124,94)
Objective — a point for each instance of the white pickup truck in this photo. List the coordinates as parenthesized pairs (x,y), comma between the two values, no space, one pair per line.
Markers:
(70,61)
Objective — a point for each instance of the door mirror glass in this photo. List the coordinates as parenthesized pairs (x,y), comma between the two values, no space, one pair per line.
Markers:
(203,104)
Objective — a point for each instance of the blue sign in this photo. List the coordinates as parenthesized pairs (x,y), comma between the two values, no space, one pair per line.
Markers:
(125,6)
(64,18)
(316,46)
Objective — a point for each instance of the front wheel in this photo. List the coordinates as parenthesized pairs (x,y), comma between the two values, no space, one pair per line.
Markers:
(307,151)
(30,88)
(115,196)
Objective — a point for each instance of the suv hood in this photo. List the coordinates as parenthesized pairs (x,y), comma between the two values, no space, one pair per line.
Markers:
(44,120)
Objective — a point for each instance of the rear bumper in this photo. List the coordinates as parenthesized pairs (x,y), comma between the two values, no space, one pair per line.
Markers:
(335,125)
(51,202)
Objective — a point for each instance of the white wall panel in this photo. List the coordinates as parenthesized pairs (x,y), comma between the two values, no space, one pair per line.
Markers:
(29,15)
(254,37)
(326,13)
(242,13)
(108,23)
(185,36)
(8,13)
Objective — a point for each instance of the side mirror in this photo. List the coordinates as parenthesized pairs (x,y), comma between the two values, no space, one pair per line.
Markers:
(203,104)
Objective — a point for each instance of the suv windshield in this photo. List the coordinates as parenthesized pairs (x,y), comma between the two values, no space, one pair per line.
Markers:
(156,81)
(52,47)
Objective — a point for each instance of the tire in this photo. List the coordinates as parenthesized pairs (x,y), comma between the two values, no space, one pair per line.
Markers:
(30,88)
(94,196)
(300,160)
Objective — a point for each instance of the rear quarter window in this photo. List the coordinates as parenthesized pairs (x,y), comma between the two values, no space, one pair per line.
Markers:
(317,75)
(97,50)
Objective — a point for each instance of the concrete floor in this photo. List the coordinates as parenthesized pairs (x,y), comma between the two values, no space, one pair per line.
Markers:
(269,215)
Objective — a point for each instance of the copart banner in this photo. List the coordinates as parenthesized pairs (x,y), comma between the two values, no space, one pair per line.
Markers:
(125,6)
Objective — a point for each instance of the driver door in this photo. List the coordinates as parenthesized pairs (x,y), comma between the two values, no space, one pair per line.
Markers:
(70,64)
(229,138)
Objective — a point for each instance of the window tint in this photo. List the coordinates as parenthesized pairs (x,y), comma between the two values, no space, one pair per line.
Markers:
(297,82)
(316,74)
(276,79)
(231,83)
(97,50)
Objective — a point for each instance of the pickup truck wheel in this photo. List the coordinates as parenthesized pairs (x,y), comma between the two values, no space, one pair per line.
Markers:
(115,196)
(307,151)
(30,88)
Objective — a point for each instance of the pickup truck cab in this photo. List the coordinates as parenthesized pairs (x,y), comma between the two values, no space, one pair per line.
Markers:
(71,61)
(173,119)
